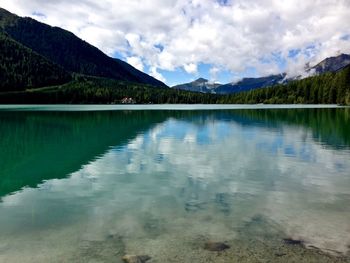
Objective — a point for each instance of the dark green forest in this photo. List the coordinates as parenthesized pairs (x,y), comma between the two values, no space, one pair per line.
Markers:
(328,88)
(93,90)
(21,68)
(70,52)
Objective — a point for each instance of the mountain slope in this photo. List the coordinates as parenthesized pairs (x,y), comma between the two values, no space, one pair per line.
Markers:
(69,51)
(21,68)
(332,64)
(327,88)
(94,90)
(247,84)
(199,85)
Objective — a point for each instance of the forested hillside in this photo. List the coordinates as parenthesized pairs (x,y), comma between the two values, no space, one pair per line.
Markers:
(328,88)
(21,68)
(67,50)
(93,90)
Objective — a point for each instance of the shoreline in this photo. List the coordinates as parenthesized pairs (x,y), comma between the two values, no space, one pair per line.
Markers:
(115,107)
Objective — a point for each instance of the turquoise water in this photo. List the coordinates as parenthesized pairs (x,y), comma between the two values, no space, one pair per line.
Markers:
(91,186)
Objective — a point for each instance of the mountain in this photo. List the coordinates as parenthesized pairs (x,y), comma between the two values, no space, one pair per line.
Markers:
(70,52)
(327,88)
(22,68)
(247,84)
(332,64)
(95,90)
(199,85)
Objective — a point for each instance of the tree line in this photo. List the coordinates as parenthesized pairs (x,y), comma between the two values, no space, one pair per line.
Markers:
(328,88)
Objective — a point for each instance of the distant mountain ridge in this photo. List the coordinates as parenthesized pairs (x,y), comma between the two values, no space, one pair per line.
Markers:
(199,85)
(63,48)
(331,64)
(247,84)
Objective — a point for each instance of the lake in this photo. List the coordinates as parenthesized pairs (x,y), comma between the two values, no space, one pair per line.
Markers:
(93,183)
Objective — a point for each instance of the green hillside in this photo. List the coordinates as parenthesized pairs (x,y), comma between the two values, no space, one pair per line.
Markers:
(67,50)
(93,90)
(21,68)
(328,88)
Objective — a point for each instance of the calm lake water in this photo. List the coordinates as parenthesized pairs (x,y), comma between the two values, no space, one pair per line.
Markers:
(91,186)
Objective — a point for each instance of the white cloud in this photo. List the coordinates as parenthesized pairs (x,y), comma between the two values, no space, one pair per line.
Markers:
(135,62)
(232,36)
(191,68)
(154,73)
(213,73)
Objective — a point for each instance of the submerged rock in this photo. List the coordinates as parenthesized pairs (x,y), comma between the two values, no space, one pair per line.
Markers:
(194,205)
(223,203)
(280,254)
(215,246)
(136,259)
(290,241)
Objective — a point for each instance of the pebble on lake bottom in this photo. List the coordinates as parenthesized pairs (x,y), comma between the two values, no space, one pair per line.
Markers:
(215,246)
(136,259)
(290,241)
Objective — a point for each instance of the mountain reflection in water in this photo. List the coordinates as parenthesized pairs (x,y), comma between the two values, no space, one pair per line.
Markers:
(96,185)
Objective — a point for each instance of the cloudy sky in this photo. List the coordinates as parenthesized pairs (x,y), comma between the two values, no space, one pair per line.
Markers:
(223,40)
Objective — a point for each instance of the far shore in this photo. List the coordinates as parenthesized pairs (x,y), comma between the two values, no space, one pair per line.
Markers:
(111,107)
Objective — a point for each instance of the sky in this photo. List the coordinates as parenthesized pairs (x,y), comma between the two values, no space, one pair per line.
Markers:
(178,41)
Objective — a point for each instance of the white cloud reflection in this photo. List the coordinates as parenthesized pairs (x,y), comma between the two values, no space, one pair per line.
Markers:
(279,173)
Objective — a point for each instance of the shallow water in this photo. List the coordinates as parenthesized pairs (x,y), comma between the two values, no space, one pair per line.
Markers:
(91,186)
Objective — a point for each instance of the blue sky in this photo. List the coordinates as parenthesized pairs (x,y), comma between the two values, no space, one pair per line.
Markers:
(179,41)
(181,76)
